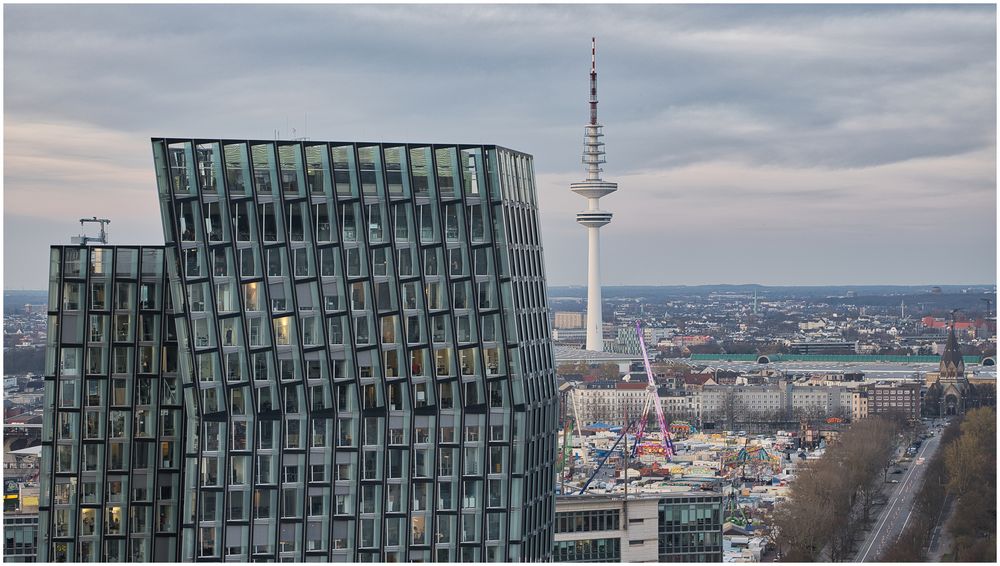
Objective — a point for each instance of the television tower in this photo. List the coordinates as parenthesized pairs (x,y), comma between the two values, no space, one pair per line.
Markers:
(593,218)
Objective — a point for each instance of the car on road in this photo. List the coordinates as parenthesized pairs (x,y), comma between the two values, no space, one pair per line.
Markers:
(893,481)
(897,471)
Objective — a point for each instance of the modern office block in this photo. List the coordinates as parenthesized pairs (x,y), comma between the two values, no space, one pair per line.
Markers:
(661,527)
(690,527)
(20,537)
(111,440)
(363,352)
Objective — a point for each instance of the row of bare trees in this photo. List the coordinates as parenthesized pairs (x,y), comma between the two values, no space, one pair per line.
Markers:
(972,478)
(735,413)
(831,500)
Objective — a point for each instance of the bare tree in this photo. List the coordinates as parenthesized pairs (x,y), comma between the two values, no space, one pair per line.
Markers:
(734,410)
(832,497)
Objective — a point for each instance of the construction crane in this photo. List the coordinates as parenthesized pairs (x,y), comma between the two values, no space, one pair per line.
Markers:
(84,239)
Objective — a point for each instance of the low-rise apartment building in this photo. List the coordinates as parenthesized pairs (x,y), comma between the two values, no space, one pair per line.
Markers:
(616,402)
(888,398)
(610,402)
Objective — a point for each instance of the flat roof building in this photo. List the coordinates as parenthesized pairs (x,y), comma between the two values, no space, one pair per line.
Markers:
(669,527)
(20,537)
(565,320)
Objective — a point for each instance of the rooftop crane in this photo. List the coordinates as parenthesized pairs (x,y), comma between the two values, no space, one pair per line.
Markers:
(84,239)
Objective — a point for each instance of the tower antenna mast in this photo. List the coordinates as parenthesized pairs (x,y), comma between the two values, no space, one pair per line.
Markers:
(593,188)
(593,81)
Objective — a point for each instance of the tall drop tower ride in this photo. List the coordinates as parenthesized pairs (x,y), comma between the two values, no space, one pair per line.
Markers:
(593,218)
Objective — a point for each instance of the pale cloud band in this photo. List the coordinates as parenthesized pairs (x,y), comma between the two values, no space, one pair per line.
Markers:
(770,144)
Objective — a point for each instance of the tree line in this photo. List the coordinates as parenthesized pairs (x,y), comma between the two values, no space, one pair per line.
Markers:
(24,360)
(972,479)
(831,499)
(963,469)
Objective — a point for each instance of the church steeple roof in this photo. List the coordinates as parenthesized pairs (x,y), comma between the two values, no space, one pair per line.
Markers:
(952,364)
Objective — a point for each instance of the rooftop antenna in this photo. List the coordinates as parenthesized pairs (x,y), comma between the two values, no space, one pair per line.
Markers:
(84,239)
(593,81)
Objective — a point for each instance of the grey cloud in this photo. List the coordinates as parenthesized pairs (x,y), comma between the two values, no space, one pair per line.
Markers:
(819,91)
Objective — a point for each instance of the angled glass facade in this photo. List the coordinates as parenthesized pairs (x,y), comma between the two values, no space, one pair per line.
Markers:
(360,334)
(113,430)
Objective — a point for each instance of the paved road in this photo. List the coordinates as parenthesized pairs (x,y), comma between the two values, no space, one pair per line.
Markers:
(899,507)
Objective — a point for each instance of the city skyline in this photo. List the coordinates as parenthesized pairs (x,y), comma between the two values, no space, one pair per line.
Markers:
(778,145)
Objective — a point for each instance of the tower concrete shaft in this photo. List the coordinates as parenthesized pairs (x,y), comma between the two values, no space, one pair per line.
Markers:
(593,188)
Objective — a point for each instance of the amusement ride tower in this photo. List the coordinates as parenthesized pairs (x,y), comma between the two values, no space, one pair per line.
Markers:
(593,218)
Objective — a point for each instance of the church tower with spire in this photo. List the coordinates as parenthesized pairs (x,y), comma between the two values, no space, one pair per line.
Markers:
(954,393)
(952,366)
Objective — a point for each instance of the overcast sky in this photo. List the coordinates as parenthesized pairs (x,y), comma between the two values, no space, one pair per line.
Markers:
(775,145)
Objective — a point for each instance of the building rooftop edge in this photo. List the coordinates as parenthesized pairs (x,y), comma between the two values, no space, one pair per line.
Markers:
(337,142)
(633,496)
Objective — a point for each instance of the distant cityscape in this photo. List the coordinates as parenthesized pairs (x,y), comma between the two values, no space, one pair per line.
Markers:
(781,372)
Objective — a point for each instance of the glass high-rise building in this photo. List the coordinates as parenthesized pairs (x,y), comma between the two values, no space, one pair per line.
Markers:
(112,435)
(341,353)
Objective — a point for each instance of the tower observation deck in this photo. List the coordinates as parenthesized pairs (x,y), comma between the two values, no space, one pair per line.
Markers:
(593,218)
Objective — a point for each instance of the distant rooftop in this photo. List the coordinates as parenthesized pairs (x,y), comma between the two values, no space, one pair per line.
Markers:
(596,497)
(973,360)
(571,354)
